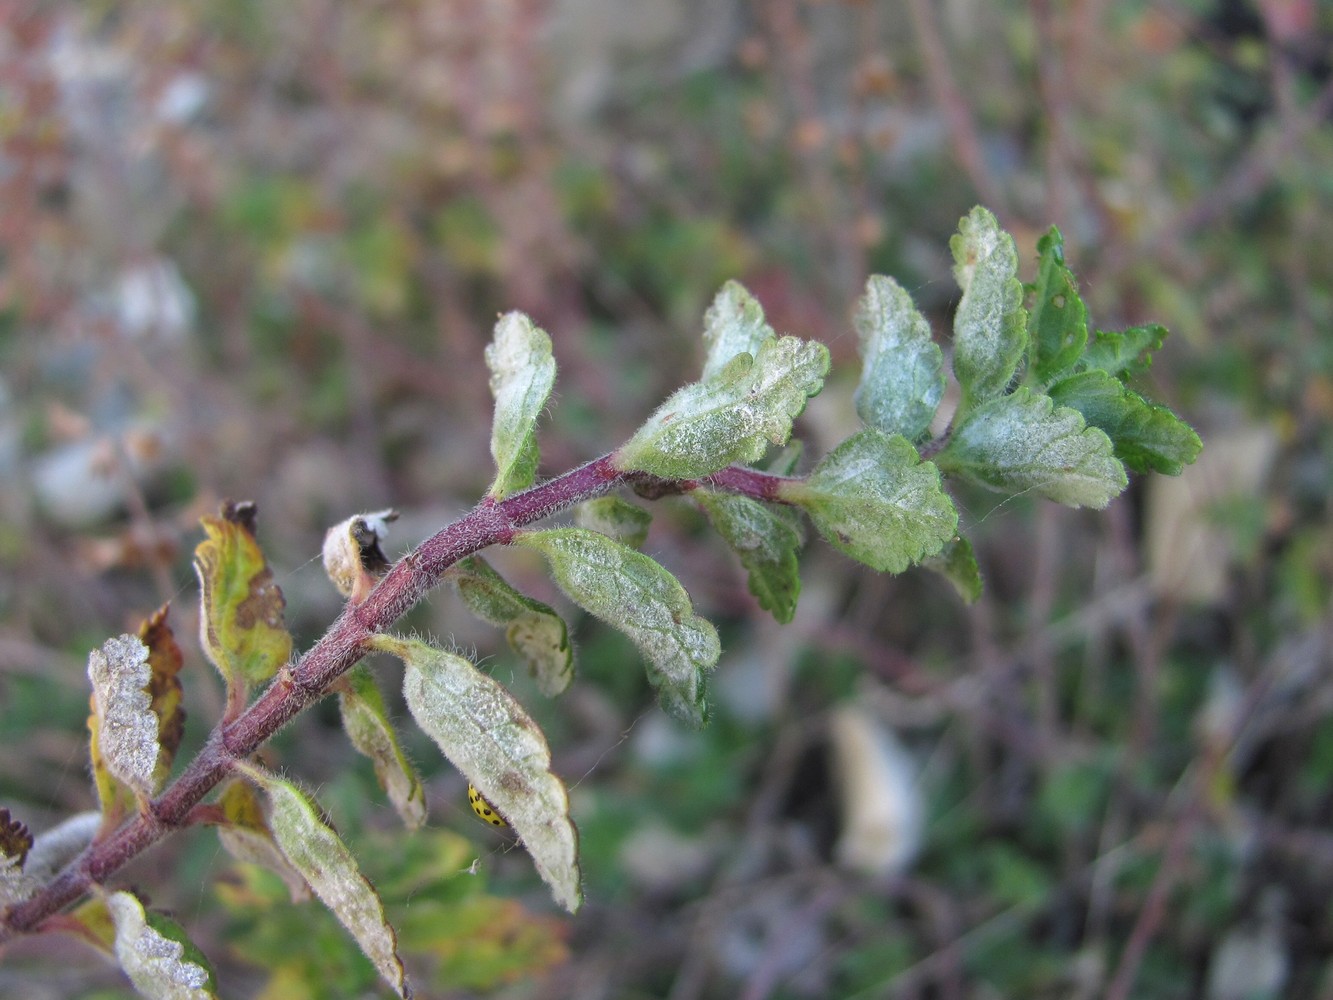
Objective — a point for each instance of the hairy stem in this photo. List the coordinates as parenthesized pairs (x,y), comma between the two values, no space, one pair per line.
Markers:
(345,643)
(298,686)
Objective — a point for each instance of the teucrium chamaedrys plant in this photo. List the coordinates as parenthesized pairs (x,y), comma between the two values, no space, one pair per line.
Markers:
(1042,408)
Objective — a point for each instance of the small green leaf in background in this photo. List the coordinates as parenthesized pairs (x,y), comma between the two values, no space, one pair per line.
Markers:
(627,523)
(522,375)
(482,942)
(767,538)
(1014,879)
(734,324)
(1147,437)
(1023,442)
(1072,797)
(533,630)
(732,416)
(638,596)
(124,728)
(318,853)
(245,833)
(902,374)
(241,607)
(957,563)
(156,954)
(450,928)
(488,736)
(366,722)
(1125,352)
(873,499)
(1058,320)
(989,326)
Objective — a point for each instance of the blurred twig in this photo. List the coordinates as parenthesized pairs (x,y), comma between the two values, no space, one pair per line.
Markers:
(955,108)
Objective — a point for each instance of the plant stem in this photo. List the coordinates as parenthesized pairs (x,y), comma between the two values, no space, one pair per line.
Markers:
(297,687)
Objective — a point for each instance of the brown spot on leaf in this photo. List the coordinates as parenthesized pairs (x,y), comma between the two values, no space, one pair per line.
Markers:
(165,659)
(264,605)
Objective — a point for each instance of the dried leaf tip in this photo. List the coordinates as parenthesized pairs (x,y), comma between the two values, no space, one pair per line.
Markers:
(15,839)
(353,558)
(241,512)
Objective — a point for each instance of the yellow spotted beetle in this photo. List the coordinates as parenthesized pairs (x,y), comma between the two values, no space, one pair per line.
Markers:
(484,810)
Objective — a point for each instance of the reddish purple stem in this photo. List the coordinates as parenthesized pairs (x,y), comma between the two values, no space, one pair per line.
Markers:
(296,687)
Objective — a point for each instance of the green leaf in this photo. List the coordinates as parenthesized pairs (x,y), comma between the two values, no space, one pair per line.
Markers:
(957,563)
(734,324)
(1147,437)
(123,725)
(616,518)
(486,734)
(522,374)
(323,860)
(732,416)
(156,954)
(533,629)
(902,374)
(367,724)
(989,327)
(241,615)
(627,589)
(1058,322)
(767,538)
(1023,442)
(1125,352)
(875,500)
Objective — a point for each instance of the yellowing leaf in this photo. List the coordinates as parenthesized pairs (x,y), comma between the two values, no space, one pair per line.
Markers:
(245,834)
(115,799)
(164,688)
(241,623)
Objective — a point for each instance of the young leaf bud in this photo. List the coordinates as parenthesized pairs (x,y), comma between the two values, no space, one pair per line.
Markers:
(352,555)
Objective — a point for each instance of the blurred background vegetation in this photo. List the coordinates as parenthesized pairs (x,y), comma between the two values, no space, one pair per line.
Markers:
(255,250)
